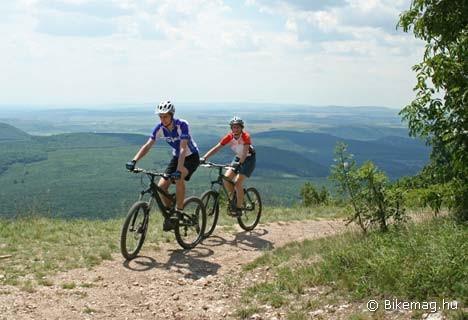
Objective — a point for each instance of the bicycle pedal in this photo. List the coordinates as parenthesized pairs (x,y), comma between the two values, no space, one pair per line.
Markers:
(235,214)
(168,225)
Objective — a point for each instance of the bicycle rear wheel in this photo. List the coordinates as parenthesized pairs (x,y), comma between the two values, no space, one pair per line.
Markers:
(134,230)
(191,223)
(252,209)
(211,203)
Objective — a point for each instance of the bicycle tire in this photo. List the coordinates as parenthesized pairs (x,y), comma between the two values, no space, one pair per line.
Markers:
(251,200)
(139,211)
(187,220)
(211,203)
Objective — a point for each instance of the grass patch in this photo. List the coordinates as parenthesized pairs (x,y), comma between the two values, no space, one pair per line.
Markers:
(45,282)
(297,315)
(245,313)
(44,246)
(68,285)
(418,262)
(265,292)
(87,285)
(28,286)
(89,310)
(297,213)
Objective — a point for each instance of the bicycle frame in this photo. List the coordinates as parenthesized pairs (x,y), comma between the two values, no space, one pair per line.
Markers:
(219,181)
(155,192)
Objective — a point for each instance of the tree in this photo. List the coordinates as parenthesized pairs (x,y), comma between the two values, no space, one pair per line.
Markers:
(439,112)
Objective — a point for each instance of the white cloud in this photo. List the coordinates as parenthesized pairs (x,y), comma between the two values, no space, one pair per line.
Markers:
(203,50)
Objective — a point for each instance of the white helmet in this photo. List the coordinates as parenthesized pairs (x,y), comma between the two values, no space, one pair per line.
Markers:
(165,107)
(236,120)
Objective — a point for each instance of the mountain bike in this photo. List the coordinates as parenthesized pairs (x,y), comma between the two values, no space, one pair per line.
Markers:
(189,225)
(250,212)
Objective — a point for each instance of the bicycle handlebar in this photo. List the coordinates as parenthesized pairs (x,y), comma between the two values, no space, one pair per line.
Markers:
(216,165)
(151,173)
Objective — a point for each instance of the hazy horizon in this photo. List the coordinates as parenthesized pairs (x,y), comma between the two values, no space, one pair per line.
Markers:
(144,105)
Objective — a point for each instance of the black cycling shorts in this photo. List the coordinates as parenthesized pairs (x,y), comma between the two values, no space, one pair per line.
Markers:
(248,166)
(191,163)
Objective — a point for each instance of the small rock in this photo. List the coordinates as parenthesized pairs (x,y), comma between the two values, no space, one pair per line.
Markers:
(188,273)
(136,284)
(201,282)
(255,317)
(176,297)
(205,307)
(316,312)
(434,316)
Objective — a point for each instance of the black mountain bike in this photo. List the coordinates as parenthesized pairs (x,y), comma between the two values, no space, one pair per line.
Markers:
(251,210)
(189,225)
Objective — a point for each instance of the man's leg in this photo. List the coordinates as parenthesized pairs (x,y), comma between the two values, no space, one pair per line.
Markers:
(180,189)
(230,174)
(164,184)
(239,186)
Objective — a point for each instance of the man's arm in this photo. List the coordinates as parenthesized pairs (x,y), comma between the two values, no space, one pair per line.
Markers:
(144,149)
(213,150)
(182,153)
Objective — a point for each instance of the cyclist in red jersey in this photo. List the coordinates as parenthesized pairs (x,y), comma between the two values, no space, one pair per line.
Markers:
(244,161)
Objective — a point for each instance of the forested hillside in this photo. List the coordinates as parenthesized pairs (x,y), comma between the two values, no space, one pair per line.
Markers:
(82,174)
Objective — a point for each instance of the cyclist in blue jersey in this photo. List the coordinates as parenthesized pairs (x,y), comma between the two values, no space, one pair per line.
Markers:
(185,155)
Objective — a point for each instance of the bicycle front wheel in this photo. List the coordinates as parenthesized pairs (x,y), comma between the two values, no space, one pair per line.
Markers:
(252,209)
(191,223)
(211,203)
(134,230)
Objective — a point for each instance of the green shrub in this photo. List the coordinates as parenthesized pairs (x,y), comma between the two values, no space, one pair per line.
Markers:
(373,200)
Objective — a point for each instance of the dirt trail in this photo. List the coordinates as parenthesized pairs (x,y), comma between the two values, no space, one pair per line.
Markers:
(168,283)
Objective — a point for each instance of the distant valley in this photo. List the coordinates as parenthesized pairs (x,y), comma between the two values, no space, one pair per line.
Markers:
(82,173)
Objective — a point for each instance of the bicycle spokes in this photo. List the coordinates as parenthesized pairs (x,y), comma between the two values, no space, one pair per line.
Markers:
(191,223)
(134,230)
(252,210)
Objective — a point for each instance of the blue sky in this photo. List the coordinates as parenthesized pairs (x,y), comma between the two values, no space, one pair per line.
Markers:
(333,52)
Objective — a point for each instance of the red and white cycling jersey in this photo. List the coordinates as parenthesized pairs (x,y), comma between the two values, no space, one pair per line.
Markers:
(237,145)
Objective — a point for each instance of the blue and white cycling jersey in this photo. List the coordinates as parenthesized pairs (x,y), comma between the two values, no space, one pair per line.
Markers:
(180,132)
